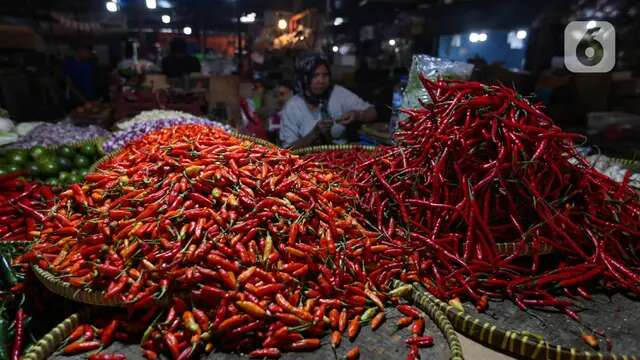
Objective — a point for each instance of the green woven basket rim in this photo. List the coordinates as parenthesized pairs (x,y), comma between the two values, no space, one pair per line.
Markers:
(15,243)
(252,139)
(44,347)
(103,159)
(327,148)
(629,163)
(65,290)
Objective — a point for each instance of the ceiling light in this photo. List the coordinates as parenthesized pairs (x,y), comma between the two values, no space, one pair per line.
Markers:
(521,34)
(392,42)
(335,48)
(482,37)
(338,21)
(187,30)
(111,6)
(249,18)
(282,24)
(151,4)
(166,19)
(473,37)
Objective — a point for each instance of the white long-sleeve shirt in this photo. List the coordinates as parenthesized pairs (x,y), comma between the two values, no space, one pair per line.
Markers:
(298,120)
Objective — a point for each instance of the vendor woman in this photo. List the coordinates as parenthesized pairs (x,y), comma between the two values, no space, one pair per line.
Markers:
(321,111)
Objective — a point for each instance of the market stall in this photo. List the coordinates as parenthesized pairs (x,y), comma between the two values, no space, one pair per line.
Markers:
(482,219)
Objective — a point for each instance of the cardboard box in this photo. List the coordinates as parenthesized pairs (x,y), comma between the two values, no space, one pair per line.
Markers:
(224,90)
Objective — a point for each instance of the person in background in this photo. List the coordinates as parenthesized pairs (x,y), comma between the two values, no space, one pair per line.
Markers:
(139,65)
(80,72)
(283,92)
(178,63)
(322,111)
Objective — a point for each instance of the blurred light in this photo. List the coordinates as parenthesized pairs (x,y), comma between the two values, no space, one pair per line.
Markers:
(591,24)
(166,19)
(302,37)
(392,42)
(249,18)
(151,4)
(165,4)
(111,6)
(338,21)
(344,49)
(482,37)
(282,24)
(521,34)
(335,48)
(187,30)
(473,37)
(166,30)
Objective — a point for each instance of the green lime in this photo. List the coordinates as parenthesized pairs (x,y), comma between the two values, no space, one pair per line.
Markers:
(53,181)
(81,162)
(33,169)
(66,151)
(48,167)
(88,149)
(64,163)
(18,157)
(38,152)
(63,177)
(13,168)
(75,178)
(83,172)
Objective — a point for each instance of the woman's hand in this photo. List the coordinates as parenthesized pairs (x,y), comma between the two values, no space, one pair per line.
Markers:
(323,127)
(349,118)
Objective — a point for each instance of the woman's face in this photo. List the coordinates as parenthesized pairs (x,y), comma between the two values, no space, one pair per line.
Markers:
(320,80)
(283,94)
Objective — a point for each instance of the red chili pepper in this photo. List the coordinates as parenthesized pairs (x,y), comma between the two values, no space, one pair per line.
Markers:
(103,356)
(408,310)
(354,328)
(305,345)
(18,338)
(108,332)
(172,344)
(420,341)
(353,354)
(377,321)
(418,327)
(269,353)
(80,347)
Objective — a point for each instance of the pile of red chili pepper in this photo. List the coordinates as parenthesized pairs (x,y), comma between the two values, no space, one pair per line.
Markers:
(22,207)
(343,161)
(481,166)
(266,248)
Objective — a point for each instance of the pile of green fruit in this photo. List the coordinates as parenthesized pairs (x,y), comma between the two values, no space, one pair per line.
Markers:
(61,166)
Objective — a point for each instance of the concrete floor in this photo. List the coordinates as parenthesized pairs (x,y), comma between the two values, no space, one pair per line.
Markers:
(474,351)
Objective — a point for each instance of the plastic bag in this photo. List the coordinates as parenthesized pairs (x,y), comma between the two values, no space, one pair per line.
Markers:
(432,68)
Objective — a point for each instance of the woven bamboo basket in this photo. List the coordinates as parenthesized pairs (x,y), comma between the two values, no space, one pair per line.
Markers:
(633,165)
(65,290)
(325,148)
(253,139)
(52,340)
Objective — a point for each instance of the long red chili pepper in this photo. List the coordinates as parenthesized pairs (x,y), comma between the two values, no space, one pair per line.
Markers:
(18,340)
